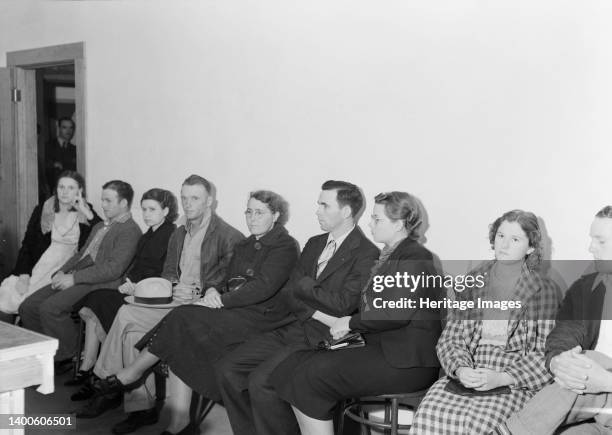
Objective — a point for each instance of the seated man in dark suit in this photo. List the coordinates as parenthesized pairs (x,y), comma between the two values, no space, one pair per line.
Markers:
(100,263)
(326,284)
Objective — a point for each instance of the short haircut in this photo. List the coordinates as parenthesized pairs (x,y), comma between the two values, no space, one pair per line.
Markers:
(529,224)
(65,118)
(123,189)
(403,207)
(275,203)
(346,194)
(193,179)
(165,198)
(68,173)
(605,212)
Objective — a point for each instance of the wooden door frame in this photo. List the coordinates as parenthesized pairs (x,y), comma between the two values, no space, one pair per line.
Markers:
(27,172)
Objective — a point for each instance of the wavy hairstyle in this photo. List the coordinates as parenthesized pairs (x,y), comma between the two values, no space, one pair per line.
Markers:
(529,224)
(402,206)
(68,174)
(275,203)
(165,198)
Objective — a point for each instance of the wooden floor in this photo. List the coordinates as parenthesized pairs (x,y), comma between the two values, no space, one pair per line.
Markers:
(216,423)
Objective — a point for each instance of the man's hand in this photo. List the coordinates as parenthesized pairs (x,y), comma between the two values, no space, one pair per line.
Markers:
(340,327)
(493,379)
(598,379)
(470,377)
(570,370)
(127,288)
(66,280)
(211,299)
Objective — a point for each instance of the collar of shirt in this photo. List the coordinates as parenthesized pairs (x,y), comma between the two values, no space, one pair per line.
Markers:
(191,229)
(340,239)
(121,219)
(606,278)
(63,143)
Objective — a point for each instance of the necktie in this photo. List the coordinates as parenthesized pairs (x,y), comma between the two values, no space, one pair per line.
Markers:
(326,255)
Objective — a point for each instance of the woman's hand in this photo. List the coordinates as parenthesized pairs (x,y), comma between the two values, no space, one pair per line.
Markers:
(211,299)
(81,205)
(493,379)
(340,327)
(469,377)
(127,288)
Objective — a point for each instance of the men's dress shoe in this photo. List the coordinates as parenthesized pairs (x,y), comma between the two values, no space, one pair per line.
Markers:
(136,420)
(86,392)
(190,429)
(62,366)
(80,378)
(100,404)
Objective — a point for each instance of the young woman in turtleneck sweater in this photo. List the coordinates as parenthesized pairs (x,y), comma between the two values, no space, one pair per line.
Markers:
(482,350)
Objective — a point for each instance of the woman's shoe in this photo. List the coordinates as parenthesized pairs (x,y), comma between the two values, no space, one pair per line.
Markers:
(112,384)
(86,392)
(80,378)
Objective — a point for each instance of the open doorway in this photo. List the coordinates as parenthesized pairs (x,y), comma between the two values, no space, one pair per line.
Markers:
(55,126)
(42,131)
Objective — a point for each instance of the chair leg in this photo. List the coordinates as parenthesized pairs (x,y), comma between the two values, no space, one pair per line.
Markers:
(80,344)
(339,417)
(199,408)
(394,415)
(160,388)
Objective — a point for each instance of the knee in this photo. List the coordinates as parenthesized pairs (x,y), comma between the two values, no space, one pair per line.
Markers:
(50,308)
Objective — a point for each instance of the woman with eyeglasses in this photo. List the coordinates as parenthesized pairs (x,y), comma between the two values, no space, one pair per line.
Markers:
(192,337)
(399,355)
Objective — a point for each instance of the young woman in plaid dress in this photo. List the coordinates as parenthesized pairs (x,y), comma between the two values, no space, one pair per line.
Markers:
(486,349)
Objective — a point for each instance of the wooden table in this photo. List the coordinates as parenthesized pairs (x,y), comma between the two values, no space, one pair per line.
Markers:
(26,359)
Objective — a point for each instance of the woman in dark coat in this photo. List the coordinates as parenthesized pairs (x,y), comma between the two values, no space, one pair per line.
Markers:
(192,337)
(56,230)
(98,308)
(399,355)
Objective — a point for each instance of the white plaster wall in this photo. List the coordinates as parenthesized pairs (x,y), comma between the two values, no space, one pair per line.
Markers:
(477,107)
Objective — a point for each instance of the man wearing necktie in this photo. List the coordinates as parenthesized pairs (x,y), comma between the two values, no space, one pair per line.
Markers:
(60,153)
(578,352)
(325,285)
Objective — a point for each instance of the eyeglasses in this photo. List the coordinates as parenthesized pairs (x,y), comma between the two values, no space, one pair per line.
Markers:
(254,213)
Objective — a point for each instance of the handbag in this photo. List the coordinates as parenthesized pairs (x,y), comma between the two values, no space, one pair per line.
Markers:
(349,341)
(235,283)
(454,386)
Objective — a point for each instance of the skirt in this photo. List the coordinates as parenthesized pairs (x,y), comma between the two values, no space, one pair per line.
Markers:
(315,381)
(191,338)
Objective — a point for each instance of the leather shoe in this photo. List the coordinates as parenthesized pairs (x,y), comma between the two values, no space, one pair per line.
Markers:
(136,420)
(112,384)
(84,393)
(100,404)
(190,429)
(80,378)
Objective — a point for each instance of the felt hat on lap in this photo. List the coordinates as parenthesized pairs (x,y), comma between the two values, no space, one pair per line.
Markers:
(153,293)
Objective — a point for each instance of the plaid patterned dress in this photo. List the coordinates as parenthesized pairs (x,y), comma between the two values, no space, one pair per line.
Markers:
(444,412)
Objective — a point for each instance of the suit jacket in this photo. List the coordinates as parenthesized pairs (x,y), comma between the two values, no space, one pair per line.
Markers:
(58,159)
(215,255)
(112,260)
(337,291)
(408,337)
(579,318)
